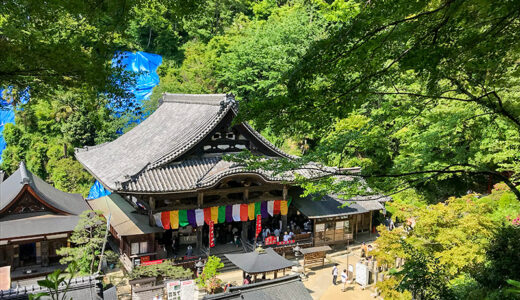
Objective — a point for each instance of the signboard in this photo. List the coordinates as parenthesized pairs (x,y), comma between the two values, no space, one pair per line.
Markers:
(258,225)
(285,243)
(181,290)
(211,238)
(188,290)
(320,227)
(151,262)
(270,240)
(361,274)
(173,290)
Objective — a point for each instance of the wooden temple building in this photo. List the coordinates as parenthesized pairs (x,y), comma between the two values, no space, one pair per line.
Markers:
(35,220)
(169,178)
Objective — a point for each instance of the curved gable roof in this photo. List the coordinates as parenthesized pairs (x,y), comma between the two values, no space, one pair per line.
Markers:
(14,184)
(180,123)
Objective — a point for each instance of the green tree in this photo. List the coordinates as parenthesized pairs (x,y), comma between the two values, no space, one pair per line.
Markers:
(208,279)
(423,275)
(64,44)
(86,242)
(48,129)
(56,284)
(422,94)
(463,240)
(165,270)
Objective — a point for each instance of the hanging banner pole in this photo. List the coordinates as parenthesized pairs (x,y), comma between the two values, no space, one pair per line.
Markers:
(211,236)
(258,228)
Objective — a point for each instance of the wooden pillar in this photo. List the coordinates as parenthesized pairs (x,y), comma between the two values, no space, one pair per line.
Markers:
(16,256)
(200,201)
(370,228)
(199,238)
(44,250)
(284,218)
(275,274)
(245,230)
(151,203)
(39,252)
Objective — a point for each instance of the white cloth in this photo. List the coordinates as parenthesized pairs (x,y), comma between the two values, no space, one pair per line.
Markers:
(236,212)
(199,217)
(158,221)
(270,207)
(343,277)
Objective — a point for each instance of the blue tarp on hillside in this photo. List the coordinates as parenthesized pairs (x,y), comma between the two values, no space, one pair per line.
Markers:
(7,114)
(145,64)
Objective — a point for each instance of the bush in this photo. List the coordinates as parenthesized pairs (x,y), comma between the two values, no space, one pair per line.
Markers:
(161,271)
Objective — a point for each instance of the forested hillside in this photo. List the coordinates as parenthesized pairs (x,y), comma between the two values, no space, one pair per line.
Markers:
(348,83)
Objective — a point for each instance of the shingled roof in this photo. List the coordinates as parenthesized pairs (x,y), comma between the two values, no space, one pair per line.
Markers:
(284,288)
(144,159)
(65,202)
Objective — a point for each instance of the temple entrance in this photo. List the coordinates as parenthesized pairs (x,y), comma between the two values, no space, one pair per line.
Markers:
(27,254)
(224,233)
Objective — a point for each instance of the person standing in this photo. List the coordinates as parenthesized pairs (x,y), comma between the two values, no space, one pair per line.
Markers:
(344,279)
(277,234)
(334,274)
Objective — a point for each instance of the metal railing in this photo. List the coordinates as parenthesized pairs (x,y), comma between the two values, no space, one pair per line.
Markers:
(247,246)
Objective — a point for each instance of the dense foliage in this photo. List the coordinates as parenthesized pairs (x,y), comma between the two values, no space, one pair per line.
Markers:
(163,271)
(467,247)
(49,128)
(208,278)
(86,242)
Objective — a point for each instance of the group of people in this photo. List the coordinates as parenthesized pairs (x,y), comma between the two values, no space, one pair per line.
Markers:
(344,277)
(293,228)
(365,253)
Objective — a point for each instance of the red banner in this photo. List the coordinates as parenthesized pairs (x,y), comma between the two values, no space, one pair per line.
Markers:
(152,262)
(286,242)
(258,225)
(270,240)
(211,238)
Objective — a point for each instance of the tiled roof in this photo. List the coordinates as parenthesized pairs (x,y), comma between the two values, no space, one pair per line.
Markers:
(13,185)
(141,159)
(284,288)
(37,224)
(333,206)
(123,217)
(80,288)
(191,174)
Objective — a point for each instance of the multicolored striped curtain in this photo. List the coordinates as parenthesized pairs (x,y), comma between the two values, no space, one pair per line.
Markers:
(251,211)
(222,214)
(276,207)
(199,217)
(214,214)
(284,208)
(174,219)
(258,208)
(165,219)
(183,218)
(243,212)
(207,215)
(191,217)
(229,213)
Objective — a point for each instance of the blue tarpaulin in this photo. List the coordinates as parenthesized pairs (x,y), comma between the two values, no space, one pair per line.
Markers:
(7,114)
(145,65)
(142,63)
